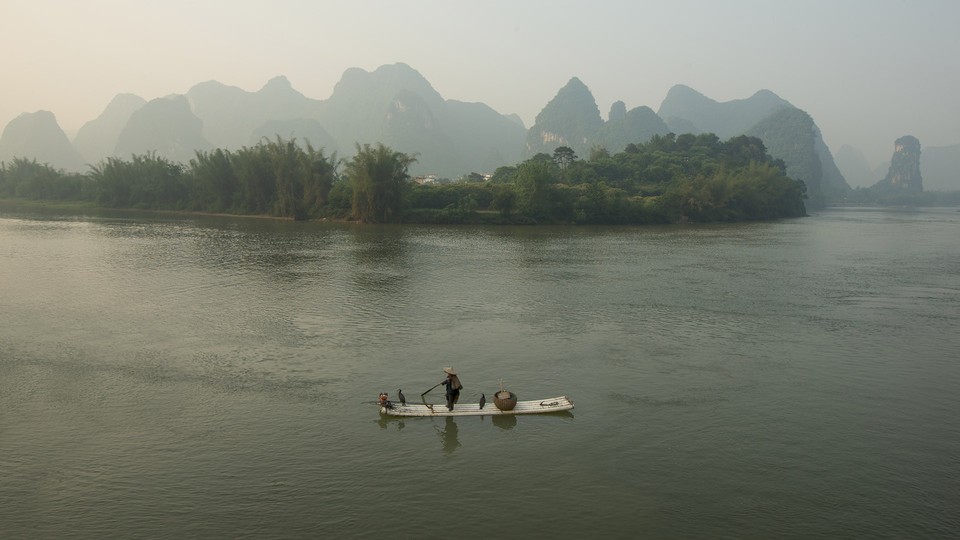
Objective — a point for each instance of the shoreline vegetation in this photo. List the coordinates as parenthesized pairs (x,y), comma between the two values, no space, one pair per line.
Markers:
(669,179)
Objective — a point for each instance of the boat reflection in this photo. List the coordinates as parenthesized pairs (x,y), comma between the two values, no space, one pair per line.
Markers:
(509,421)
(384,421)
(449,435)
(505,421)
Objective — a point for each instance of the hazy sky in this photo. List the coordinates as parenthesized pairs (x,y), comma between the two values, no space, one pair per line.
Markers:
(868,71)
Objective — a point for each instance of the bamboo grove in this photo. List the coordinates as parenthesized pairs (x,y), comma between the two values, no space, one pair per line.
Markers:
(665,180)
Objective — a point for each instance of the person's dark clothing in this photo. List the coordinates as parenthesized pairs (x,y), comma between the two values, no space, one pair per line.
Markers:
(453,387)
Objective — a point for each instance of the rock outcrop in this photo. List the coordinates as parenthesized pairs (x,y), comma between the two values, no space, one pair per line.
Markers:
(570,119)
(904,174)
(37,136)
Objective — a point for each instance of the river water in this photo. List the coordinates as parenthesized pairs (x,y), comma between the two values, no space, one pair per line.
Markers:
(204,377)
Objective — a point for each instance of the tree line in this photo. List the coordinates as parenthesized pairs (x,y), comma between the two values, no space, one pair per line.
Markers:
(665,180)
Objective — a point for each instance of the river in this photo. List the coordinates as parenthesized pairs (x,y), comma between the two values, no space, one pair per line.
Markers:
(205,377)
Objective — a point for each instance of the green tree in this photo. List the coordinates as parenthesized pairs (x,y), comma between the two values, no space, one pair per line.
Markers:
(323,175)
(379,177)
(564,156)
(214,181)
(598,153)
(146,181)
(504,200)
(31,180)
(254,173)
(504,175)
(533,182)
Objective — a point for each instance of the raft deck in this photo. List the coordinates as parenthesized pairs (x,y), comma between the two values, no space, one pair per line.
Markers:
(540,406)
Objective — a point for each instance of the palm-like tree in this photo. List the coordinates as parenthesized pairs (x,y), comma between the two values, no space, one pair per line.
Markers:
(378,175)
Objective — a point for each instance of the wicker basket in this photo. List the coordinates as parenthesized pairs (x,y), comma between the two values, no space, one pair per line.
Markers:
(505,400)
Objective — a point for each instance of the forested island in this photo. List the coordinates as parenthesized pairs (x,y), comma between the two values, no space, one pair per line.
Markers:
(669,179)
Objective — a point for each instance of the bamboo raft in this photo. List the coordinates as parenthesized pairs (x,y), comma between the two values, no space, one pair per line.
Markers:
(541,406)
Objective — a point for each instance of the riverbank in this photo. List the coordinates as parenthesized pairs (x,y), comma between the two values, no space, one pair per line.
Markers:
(81,207)
(411,217)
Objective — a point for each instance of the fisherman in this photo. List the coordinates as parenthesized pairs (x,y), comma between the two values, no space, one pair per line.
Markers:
(453,387)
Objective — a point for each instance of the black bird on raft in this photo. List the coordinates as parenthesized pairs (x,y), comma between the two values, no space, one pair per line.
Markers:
(401,397)
(483,400)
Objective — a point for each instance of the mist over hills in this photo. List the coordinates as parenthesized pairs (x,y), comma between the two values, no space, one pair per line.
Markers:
(941,168)
(230,115)
(854,166)
(396,105)
(97,139)
(166,126)
(301,129)
(683,106)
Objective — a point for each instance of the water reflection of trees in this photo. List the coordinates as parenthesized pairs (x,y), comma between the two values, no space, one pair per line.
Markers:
(382,265)
(283,250)
(378,245)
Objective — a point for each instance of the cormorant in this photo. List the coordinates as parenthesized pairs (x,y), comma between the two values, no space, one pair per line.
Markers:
(483,400)
(403,399)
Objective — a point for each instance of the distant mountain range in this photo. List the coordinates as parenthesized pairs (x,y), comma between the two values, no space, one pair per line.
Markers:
(397,106)
(394,105)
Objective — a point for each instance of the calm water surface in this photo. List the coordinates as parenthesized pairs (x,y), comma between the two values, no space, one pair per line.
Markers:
(184,377)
